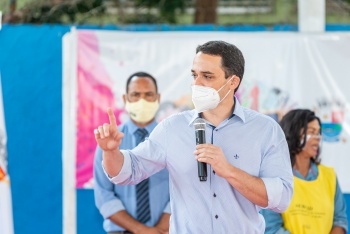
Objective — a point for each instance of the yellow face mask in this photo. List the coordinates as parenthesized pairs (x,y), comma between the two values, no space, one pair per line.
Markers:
(142,111)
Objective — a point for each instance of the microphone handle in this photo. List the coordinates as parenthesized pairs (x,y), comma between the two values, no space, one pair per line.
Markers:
(202,167)
(202,171)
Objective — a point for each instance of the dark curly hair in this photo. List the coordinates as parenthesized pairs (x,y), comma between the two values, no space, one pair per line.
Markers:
(294,124)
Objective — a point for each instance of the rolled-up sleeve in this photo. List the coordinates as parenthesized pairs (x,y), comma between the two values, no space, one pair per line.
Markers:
(111,207)
(340,218)
(167,208)
(105,199)
(274,189)
(125,171)
(277,175)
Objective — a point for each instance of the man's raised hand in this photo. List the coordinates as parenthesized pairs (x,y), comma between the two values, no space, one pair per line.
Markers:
(108,136)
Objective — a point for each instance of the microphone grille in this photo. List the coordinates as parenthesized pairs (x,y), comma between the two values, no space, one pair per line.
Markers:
(199,124)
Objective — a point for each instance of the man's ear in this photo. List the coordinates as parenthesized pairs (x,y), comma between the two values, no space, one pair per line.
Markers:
(235,82)
(124,98)
(158,97)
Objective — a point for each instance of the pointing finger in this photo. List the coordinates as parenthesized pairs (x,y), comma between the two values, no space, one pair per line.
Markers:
(111,116)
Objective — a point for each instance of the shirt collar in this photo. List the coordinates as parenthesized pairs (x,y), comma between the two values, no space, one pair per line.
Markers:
(133,127)
(311,174)
(237,111)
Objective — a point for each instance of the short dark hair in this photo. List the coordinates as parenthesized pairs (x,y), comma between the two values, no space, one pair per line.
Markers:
(292,124)
(140,74)
(232,60)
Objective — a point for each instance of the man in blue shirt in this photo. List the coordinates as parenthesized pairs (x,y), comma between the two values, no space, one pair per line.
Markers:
(246,153)
(119,205)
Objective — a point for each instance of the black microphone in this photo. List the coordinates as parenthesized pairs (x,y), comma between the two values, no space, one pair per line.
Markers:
(199,127)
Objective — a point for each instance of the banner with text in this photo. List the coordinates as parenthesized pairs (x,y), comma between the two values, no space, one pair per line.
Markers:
(283,71)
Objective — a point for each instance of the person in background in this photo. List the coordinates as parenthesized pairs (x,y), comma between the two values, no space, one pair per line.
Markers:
(246,153)
(142,208)
(318,204)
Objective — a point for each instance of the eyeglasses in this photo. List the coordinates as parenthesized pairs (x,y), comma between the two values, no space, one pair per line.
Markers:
(148,96)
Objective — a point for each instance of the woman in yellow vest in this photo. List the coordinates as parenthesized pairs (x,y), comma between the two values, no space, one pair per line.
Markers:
(318,204)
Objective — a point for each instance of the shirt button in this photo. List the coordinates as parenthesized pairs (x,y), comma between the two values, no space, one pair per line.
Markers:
(216,216)
(216,129)
(214,195)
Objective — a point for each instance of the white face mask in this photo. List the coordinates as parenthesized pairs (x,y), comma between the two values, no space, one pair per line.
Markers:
(206,98)
(308,136)
(142,111)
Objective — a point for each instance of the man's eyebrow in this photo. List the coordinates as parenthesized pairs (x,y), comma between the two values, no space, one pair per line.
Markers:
(204,72)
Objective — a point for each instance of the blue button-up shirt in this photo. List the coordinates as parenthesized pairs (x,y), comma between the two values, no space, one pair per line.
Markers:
(274,221)
(250,141)
(110,198)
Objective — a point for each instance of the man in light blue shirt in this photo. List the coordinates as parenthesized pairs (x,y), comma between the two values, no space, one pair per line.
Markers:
(119,204)
(246,153)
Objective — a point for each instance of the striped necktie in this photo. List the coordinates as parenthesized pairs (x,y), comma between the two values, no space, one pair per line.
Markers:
(143,212)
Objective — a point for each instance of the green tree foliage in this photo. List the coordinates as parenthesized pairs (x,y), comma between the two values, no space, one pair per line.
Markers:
(65,11)
(167,8)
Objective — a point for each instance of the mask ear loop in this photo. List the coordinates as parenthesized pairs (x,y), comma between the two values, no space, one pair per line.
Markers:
(303,140)
(225,96)
(224,86)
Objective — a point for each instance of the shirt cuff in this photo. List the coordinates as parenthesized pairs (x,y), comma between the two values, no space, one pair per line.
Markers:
(341,224)
(167,208)
(125,171)
(274,189)
(111,207)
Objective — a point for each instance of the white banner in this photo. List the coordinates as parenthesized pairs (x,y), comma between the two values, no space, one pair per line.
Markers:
(283,71)
(6,220)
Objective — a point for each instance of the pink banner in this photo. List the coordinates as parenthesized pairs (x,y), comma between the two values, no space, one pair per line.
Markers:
(94,97)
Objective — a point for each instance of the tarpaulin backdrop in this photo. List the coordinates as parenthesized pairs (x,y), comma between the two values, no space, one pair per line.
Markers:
(32,89)
(283,71)
(31,73)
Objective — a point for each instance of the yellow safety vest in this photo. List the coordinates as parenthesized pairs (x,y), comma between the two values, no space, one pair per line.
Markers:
(312,207)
